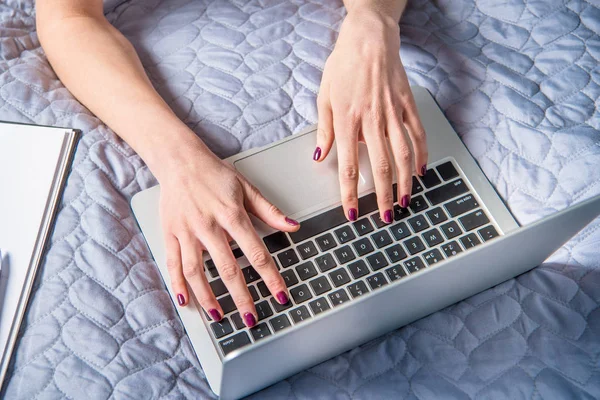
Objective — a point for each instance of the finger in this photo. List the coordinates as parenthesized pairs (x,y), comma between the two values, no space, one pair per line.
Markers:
(258,255)
(261,208)
(347,148)
(231,274)
(417,134)
(381,165)
(175,270)
(193,271)
(325,134)
(403,157)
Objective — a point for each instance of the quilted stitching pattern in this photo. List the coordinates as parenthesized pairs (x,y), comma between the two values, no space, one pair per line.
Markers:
(519,80)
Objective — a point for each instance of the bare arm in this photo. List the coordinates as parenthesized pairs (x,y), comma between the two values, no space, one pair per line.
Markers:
(204,201)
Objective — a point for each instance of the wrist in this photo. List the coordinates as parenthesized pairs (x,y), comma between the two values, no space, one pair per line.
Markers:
(388,13)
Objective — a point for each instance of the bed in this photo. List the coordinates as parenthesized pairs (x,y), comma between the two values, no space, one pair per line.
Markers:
(520,83)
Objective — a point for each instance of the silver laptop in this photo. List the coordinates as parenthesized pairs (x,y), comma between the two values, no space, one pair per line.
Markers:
(351,282)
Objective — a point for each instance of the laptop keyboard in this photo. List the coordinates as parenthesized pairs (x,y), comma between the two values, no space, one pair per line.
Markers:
(331,261)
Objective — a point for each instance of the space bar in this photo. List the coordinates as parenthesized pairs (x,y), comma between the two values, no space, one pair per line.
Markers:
(332,218)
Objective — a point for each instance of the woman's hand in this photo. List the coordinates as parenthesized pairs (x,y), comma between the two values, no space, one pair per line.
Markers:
(365,95)
(204,202)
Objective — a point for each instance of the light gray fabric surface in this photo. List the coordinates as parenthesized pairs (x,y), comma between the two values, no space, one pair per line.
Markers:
(519,80)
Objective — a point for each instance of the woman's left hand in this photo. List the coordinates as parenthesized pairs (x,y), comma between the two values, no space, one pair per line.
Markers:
(365,96)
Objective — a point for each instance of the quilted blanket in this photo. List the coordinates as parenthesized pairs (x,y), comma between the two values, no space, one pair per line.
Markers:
(520,82)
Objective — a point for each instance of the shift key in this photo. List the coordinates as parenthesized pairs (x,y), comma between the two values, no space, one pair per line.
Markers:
(446,192)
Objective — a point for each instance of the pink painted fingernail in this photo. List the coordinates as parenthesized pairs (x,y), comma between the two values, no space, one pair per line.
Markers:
(180,299)
(249,320)
(423,170)
(282,298)
(387,217)
(405,201)
(215,315)
(317,154)
(352,214)
(291,222)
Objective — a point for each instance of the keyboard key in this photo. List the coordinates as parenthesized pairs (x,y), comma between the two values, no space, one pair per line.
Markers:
(416,186)
(237,253)
(300,294)
(367,204)
(357,289)
(418,204)
(280,307)
(461,205)
(430,179)
(433,237)
(288,258)
(319,305)
(473,220)
(451,229)
(344,254)
(276,241)
(227,304)
(260,331)
(446,192)
(289,277)
(363,227)
(395,273)
(418,223)
(264,290)
(234,342)
(263,310)
(221,328)
(325,262)
(436,216)
(470,240)
(377,220)
(451,249)
(211,268)
(381,239)
(400,231)
(307,250)
(395,253)
(400,213)
(218,287)
(376,281)
(488,233)
(414,264)
(345,234)
(363,246)
(253,293)
(326,242)
(250,274)
(377,261)
(300,314)
(339,277)
(319,224)
(447,171)
(338,297)
(320,285)
(280,322)
(237,321)
(358,269)
(306,271)
(432,256)
(414,245)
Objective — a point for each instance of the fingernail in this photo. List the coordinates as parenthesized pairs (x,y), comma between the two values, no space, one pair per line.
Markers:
(291,222)
(180,299)
(423,170)
(317,154)
(214,314)
(352,214)
(405,201)
(387,216)
(282,298)
(249,320)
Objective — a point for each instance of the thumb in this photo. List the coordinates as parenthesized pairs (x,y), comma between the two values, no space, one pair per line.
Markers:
(261,208)
(325,134)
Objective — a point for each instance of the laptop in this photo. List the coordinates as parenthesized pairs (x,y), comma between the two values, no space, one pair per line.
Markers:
(352,282)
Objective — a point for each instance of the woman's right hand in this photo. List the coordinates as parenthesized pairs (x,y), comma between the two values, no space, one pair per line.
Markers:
(205,202)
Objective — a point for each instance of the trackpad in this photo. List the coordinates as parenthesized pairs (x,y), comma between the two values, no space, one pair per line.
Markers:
(288,177)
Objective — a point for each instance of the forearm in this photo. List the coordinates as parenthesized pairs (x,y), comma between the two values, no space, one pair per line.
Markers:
(391,8)
(100,67)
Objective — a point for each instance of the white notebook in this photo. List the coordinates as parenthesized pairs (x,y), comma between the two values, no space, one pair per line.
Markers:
(34,163)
